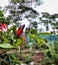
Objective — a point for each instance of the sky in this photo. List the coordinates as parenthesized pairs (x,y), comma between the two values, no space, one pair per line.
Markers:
(50,6)
(3,3)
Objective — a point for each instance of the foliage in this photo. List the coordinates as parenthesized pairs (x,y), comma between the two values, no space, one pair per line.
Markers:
(2,18)
(52,58)
(8,40)
(8,59)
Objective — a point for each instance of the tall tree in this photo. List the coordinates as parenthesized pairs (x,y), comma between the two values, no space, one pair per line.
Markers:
(20,9)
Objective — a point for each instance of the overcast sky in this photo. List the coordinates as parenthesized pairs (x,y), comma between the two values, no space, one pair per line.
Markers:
(50,6)
(3,2)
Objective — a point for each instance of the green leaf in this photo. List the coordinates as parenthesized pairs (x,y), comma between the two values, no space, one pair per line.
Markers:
(18,42)
(39,41)
(5,40)
(6,45)
(1,14)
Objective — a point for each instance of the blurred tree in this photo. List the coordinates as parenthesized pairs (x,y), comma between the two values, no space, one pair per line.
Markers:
(47,19)
(54,18)
(18,9)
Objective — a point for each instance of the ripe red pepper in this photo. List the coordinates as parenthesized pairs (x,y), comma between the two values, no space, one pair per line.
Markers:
(20,30)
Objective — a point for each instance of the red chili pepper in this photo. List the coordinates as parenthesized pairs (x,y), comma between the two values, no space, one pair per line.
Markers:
(20,30)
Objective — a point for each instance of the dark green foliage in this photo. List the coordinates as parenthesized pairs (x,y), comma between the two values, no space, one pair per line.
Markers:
(8,59)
